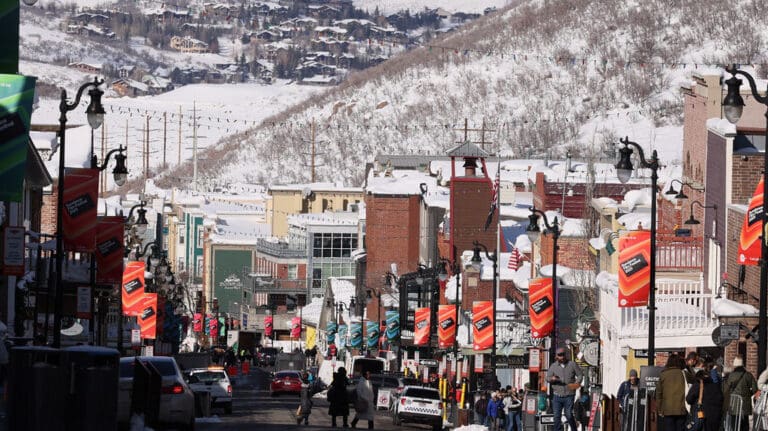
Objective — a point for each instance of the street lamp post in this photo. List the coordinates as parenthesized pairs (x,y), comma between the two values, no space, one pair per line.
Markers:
(624,170)
(477,263)
(533,232)
(733,106)
(691,220)
(95,113)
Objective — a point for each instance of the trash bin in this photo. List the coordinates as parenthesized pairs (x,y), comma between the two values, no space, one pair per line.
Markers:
(202,404)
(35,389)
(91,375)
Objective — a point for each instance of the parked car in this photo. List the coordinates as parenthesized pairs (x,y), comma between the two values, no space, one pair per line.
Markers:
(215,381)
(287,381)
(267,356)
(393,383)
(419,405)
(177,401)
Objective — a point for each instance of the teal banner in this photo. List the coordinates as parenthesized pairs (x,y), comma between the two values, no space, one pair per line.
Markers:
(372,334)
(393,325)
(356,335)
(343,336)
(9,34)
(330,332)
(17,93)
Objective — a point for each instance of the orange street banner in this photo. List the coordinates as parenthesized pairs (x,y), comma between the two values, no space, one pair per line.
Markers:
(752,229)
(133,288)
(148,317)
(482,325)
(421,327)
(109,250)
(81,194)
(446,325)
(634,268)
(541,307)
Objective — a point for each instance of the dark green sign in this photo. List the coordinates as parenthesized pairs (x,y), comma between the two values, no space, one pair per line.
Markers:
(227,278)
(9,34)
(17,93)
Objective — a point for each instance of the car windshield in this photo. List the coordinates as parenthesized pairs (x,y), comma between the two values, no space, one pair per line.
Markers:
(287,376)
(209,376)
(410,382)
(422,393)
(165,368)
(269,351)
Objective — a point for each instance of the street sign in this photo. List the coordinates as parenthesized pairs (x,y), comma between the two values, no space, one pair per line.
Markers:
(428,362)
(724,334)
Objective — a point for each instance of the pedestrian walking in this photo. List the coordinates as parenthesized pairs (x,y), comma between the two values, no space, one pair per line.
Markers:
(305,408)
(337,397)
(711,398)
(564,377)
(738,389)
(626,391)
(481,408)
(670,394)
(515,411)
(581,409)
(492,411)
(364,406)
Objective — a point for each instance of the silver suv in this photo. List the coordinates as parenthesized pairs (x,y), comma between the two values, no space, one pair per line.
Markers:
(419,405)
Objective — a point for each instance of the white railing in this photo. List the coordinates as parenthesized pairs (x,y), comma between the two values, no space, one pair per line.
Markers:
(682,308)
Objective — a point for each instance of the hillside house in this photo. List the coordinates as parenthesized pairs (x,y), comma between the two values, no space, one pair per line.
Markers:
(323,11)
(188,44)
(156,84)
(129,87)
(323,31)
(268,35)
(320,80)
(125,71)
(91,68)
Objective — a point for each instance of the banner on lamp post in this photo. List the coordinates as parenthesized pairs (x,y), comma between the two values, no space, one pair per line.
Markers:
(372,334)
(268,326)
(133,288)
(213,329)
(421,327)
(482,325)
(393,325)
(13,250)
(634,268)
(446,325)
(296,327)
(17,93)
(197,322)
(752,229)
(356,335)
(330,332)
(148,317)
(541,308)
(109,249)
(81,195)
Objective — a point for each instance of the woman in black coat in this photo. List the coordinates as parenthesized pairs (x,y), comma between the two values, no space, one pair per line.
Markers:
(711,400)
(338,398)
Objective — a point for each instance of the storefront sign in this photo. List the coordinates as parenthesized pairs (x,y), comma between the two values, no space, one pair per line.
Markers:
(83,302)
(13,250)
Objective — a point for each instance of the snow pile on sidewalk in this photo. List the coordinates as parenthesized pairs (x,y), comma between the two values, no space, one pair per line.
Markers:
(471,428)
(137,423)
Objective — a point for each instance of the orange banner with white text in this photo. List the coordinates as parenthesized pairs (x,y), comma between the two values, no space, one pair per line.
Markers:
(482,325)
(421,327)
(109,249)
(446,325)
(148,317)
(541,307)
(634,268)
(133,288)
(752,229)
(81,196)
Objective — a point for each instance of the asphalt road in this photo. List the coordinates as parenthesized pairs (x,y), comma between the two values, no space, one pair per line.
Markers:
(253,409)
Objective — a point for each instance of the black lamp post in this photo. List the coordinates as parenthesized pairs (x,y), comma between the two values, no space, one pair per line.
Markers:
(443,275)
(120,172)
(339,308)
(733,106)
(533,232)
(477,263)
(624,170)
(95,113)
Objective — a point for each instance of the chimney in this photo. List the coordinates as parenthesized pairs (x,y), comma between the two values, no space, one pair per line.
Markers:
(470,166)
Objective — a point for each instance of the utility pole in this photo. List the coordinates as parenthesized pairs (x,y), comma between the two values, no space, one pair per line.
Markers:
(103,174)
(313,149)
(482,131)
(194,146)
(165,135)
(178,162)
(313,153)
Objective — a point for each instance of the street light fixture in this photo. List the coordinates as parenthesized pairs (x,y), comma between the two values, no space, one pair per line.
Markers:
(477,263)
(692,220)
(624,170)
(733,107)
(95,113)
(443,276)
(120,172)
(680,194)
(533,231)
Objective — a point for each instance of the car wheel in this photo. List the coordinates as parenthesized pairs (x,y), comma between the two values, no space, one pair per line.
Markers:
(228,408)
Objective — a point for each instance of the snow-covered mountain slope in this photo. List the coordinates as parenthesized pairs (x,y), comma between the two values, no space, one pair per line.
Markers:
(546,76)
(392,6)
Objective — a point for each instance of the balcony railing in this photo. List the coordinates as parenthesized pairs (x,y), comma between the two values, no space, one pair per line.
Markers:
(281,250)
(678,253)
(682,308)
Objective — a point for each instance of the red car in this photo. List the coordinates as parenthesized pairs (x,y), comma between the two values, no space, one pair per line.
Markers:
(285,381)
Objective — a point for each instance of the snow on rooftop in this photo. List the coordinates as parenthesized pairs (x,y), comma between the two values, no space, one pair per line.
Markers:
(402,182)
(328,218)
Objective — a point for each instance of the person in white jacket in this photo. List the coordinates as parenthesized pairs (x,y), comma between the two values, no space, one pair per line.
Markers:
(512,410)
(364,406)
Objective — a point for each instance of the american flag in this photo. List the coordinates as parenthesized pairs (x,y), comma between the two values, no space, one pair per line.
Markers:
(514,259)
(494,201)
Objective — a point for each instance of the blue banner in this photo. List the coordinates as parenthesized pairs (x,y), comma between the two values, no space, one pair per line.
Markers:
(372,334)
(342,335)
(393,325)
(356,335)
(330,332)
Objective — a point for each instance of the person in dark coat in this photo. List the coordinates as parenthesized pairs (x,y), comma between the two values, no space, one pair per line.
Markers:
(711,399)
(337,397)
